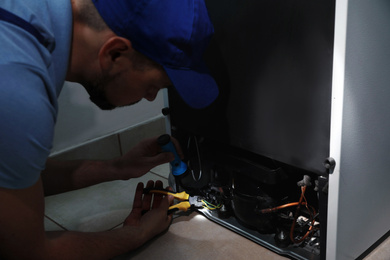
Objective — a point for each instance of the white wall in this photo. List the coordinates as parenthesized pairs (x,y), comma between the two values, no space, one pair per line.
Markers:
(80,121)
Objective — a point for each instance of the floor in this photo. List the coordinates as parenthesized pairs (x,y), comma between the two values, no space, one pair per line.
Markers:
(104,206)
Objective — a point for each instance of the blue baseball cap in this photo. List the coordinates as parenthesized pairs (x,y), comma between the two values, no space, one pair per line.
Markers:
(173,33)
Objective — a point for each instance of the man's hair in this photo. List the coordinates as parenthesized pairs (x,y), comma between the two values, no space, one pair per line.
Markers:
(89,15)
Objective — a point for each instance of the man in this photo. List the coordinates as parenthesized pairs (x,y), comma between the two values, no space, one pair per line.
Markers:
(121,51)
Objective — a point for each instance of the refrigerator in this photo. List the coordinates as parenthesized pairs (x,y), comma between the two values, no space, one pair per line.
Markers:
(293,153)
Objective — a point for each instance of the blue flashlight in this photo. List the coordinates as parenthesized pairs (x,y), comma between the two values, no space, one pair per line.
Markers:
(177,165)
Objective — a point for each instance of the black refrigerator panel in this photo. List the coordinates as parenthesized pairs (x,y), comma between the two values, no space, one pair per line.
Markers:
(272,60)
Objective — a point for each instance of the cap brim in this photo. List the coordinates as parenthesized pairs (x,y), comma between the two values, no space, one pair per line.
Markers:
(196,87)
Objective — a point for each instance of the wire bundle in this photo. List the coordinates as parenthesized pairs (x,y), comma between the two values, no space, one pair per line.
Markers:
(211,206)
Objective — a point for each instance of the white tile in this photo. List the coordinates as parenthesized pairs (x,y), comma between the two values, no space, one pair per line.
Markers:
(101,149)
(51,226)
(97,208)
(163,170)
(133,136)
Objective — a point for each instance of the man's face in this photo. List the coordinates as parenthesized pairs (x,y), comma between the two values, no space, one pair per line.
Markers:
(141,80)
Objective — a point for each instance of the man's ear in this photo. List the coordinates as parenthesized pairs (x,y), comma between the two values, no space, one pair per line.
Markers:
(114,53)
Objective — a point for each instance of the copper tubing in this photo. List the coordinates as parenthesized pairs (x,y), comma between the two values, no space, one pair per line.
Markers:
(298,204)
(303,189)
(292,204)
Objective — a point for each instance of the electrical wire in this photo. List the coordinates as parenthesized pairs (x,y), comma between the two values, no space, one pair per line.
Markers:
(198,157)
(211,206)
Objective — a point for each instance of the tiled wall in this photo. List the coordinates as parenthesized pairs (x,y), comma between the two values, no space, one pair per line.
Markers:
(115,145)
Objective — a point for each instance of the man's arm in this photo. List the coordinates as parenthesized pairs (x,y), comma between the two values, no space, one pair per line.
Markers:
(61,176)
(22,234)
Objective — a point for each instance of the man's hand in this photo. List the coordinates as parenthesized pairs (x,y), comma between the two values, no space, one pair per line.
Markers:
(21,223)
(142,158)
(62,176)
(150,217)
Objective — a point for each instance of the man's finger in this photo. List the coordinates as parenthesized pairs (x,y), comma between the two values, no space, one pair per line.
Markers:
(157,197)
(138,196)
(147,200)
